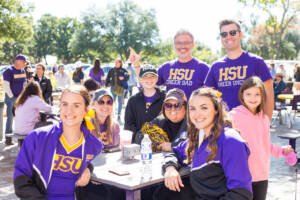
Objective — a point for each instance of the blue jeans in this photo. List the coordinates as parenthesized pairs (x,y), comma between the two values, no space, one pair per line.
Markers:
(120,100)
(9,114)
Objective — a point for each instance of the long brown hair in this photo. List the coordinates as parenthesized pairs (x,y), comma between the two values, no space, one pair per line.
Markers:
(220,120)
(97,66)
(32,88)
(253,81)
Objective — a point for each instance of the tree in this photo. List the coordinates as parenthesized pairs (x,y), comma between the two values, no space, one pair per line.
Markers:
(89,40)
(66,27)
(282,15)
(15,28)
(45,35)
(127,25)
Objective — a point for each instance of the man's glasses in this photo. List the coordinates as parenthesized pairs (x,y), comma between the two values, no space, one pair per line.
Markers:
(176,106)
(232,33)
(109,102)
(185,43)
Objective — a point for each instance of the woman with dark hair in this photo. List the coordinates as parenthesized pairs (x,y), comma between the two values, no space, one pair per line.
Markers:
(217,154)
(53,161)
(78,75)
(27,108)
(44,82)
(97,73)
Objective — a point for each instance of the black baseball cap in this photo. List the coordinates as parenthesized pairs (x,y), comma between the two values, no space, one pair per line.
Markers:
(148,69)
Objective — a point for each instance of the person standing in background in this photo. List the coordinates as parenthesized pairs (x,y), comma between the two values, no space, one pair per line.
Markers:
(117,78)
(62,78)
(44,82)
(14,81)
(78,75)
(97,72)
(132,81)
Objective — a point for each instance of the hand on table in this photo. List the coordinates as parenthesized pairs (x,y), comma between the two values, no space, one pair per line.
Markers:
(172,179)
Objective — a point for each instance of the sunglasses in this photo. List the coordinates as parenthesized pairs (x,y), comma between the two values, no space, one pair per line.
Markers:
(109,102)
(176,106)
(232,33)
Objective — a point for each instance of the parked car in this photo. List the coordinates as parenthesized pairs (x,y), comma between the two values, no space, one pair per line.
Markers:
(3,68)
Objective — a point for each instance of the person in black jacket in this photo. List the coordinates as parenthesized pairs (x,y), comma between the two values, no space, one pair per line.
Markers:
(146,104)
(117,78)
(44,82)
(172,122)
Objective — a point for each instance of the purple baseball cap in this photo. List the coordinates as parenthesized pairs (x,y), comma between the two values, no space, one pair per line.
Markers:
(177,95)
(21,57)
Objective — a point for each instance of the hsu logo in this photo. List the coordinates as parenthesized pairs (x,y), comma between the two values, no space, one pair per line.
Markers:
(67,164)
(181,74)
(232,73)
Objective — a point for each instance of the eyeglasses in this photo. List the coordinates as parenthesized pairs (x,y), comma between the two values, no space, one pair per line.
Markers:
(176,106)
(232,33)
(186,43)
(109,102)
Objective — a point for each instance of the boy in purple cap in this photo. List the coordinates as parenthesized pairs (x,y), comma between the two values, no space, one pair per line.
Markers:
(186,72)
(14,80)
(228,73)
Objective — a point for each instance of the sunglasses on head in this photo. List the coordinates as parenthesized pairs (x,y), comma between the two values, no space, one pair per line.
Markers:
(109,102)
(232,33)
(176,106)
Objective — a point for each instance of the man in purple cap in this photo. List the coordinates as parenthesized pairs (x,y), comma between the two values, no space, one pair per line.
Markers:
(14,80)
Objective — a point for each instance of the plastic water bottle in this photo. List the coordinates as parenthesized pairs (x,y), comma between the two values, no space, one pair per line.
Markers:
(146,155)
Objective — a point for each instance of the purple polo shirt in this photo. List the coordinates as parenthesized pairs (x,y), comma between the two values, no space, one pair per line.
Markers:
(227,75)
(16,79)
(187,76)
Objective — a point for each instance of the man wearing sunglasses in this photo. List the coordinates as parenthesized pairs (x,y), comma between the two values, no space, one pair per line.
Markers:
(228,73)
(186,72)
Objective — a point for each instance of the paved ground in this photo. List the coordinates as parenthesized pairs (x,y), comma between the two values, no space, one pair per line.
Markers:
(282,181)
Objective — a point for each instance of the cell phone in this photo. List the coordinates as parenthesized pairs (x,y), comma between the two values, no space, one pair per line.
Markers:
(119,172)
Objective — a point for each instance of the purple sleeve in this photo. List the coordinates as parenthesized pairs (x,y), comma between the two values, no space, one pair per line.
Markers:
(24,161)
(210,79)
(262,70)
(235,163)
(160,72)
(7,75)
(179,150)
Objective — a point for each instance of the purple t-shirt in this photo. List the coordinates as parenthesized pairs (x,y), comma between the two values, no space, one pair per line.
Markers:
(187,76)
(149,100)
(97,77)
(228,75)
(16,79)
(65,170)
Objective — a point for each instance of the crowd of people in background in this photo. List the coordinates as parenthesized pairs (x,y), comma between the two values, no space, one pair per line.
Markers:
(185,100)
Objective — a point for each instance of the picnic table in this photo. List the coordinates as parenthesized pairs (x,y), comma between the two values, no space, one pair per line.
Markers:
(134,181)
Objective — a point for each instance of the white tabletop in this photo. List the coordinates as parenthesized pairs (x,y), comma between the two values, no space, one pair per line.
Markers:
(134,181)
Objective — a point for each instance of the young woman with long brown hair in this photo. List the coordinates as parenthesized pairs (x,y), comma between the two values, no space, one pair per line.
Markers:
(216,152)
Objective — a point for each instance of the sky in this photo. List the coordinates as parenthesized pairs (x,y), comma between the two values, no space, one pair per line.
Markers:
(201,17)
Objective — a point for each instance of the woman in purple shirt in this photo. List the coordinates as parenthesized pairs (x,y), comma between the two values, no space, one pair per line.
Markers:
(97,73)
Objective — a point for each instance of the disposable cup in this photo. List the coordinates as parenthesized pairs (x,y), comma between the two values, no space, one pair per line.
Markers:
(125,137)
